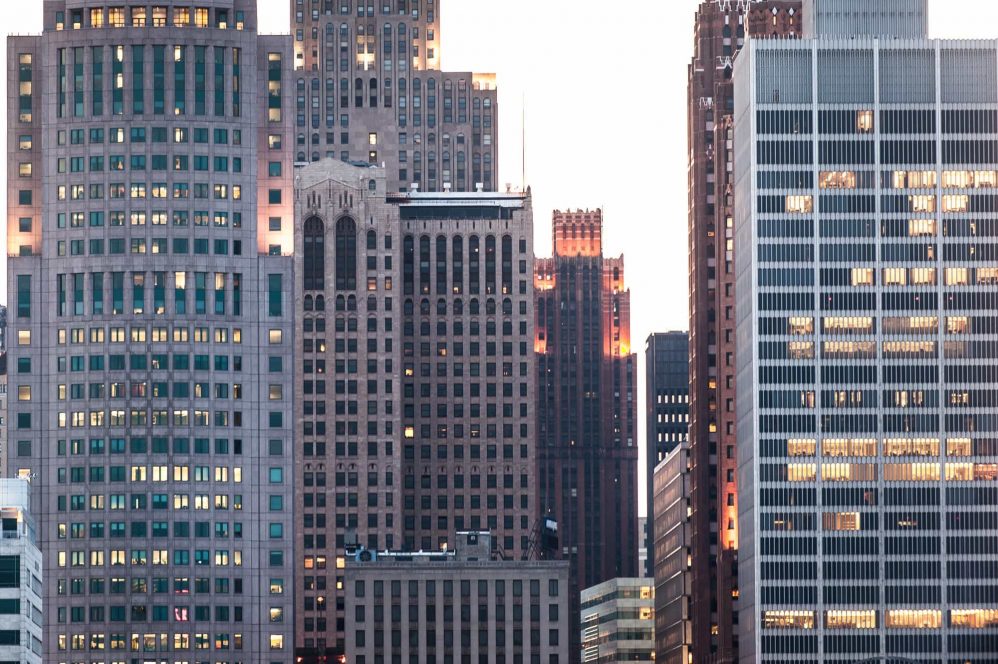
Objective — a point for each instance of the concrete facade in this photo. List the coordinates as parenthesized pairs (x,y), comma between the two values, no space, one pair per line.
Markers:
(150,272)
(21,577)
(721,28)
(461,605)
(618,621)
(370,88)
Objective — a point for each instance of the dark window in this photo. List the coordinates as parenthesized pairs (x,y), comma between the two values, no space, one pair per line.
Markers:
(346,254)
(314,260)
(10,571)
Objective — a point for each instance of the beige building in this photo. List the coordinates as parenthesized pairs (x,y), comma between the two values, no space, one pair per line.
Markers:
(460,605)
(369,87)
(150,280)
(415,408)
(618,621)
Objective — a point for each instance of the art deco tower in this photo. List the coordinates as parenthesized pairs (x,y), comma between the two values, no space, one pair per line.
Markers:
(587,407)
(416,404)
(369,88)
(149,263)
(720,31)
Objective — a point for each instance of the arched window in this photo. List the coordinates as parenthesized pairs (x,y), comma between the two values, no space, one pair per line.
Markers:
(308,303)
(320,303)
(314,261)
(346,254)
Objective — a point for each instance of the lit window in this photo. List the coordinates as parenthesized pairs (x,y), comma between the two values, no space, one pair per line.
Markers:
(864,122)
(799,204)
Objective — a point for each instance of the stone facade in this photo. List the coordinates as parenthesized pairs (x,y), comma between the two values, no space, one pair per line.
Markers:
(370,88)
(461,605)
(416,405)
(150,272)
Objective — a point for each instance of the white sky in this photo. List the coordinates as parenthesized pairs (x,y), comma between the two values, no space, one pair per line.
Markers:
(605,95)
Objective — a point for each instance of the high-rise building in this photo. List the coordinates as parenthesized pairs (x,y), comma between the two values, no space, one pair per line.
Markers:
(587,404)
(667,412)
(462,604)
(720,30)
(867,367)
(149,243)
(644,539)
(416,404)
(618,621)
(21,602)
(370,88)
(673,563)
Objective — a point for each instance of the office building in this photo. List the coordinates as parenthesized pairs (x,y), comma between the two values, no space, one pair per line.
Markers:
(618,621)
(149,244)
(369,87)
(4,451)
(864,185)
(21,593)
(720,30)
(587,404)
(349,464)
(673,559)
(459,604)
(644,524)
(417,400)
(667,412)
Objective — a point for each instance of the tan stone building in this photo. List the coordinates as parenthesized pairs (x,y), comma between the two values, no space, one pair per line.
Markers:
(461,605)
(415,409)
(369,87)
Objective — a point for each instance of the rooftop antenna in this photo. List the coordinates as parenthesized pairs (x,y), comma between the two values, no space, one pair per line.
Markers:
(523,142)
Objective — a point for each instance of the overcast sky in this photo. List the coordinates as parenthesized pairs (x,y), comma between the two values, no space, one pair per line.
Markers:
(604,90)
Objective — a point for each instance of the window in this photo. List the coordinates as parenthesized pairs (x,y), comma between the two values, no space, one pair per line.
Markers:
(10,571)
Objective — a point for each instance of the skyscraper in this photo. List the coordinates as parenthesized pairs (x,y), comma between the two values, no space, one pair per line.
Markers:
(667,412)
(720,30)
(416,404)
(369,88)
(673,580)
(151,334)
(867,368)
(587,408)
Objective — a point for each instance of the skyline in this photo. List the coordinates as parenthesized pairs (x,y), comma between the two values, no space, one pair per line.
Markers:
(562,169)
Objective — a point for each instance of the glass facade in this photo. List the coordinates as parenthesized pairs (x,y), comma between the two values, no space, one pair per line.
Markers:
(868,455)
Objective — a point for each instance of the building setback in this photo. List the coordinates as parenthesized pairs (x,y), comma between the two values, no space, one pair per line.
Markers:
(673,561)
(416,405)
(667,412)
(464,604)
(720,31)
(21,593)
(618,621)
(369,87)
(864,188)
(586,417)
(149,242)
